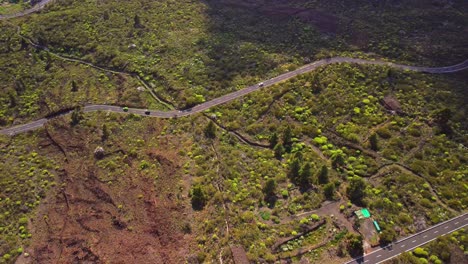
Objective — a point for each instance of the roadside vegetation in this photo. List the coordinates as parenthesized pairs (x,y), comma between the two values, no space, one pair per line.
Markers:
(447,249)
(12,6)
(278,172)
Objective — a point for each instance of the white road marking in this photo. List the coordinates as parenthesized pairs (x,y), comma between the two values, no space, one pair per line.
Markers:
(425,236)
(446,227)
(379,256)
(366,261)
(402,246)
(413,241)
(435,232)
(457,223)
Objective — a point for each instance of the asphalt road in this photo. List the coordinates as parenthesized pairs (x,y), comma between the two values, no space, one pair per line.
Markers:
(33,9)
(413,241)
(234,95)
(375,257)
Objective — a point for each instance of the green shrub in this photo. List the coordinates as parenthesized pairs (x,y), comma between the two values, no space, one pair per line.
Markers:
(315,217)
(384,133)
(265,215)
(420,252)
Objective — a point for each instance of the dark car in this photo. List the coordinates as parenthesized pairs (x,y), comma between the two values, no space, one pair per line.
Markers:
(147,112)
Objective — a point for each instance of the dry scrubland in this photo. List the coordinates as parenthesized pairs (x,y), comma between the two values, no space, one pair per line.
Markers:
(265,172)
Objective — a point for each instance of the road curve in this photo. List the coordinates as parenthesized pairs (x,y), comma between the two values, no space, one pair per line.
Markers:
(413,241)
(33,9)
(234,95)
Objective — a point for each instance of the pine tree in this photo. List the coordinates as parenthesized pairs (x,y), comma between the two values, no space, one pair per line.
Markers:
(74,86)
(294,170)
(305,177)
(210,130)
(105,132)
(329,190)
(273,140)
(279,151)
(198,198)
(270,188)
(136,22)
(373,142)
(323,175)
(76,116)
(287,139)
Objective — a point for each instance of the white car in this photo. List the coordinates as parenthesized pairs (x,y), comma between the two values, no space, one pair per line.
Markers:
(261,84)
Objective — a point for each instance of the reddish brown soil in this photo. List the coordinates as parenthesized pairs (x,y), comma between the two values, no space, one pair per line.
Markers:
(132,220)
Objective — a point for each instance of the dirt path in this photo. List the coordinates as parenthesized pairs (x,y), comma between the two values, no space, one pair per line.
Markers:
(327,209)
(374,129)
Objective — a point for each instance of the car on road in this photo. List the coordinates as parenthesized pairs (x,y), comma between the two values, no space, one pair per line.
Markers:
(147,112)
(261,84)
(125,109)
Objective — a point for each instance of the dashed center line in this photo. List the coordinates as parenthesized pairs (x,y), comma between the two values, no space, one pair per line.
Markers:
(425,236)
(379,256)
(435,232)
(446,227)
(402,246)
(366,261)
(413,241)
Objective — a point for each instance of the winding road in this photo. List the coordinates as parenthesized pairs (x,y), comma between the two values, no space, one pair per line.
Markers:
(240,93)
(33,9)
(378,256)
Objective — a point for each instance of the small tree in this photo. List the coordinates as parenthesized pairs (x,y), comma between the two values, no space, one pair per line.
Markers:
(105,132)
(373,142)
(442,118)
(294,170)
(136,22)
(210,130)
(279,151)
(270,188)
(316,87)
(338,161)
(305,176)
(74,86)
(387,236)
(355,245)
(323,175)
(273,140)
(287,139)
(12,97)
(76,116)
(198,198)
(329,190)
(356,190)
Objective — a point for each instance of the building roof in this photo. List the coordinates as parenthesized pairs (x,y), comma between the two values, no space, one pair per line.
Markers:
(363,213)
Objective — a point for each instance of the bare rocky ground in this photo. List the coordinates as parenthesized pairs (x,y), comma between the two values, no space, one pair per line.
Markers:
(86,219)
